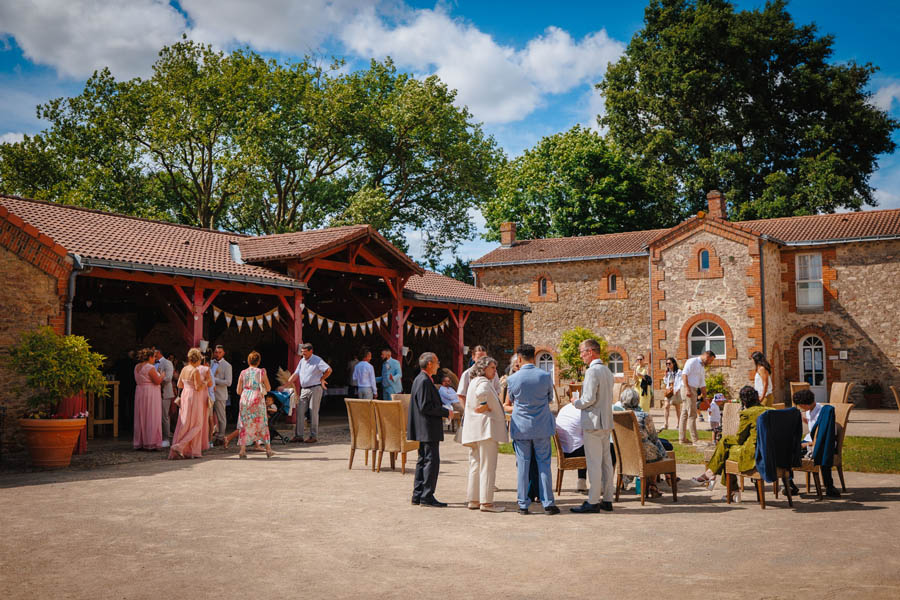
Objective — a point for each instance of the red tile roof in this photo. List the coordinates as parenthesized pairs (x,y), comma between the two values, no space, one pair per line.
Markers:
(436,287)
(94,234)
(831,227)
(571,248)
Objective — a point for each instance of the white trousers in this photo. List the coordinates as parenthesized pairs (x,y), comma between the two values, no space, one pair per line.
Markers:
(599,465)
(482,471)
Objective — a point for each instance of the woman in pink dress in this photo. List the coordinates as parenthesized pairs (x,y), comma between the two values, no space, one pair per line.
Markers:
(191,432)
(147,403)
(253,384)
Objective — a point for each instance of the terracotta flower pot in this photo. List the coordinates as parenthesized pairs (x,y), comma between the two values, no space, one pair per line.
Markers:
(50,441)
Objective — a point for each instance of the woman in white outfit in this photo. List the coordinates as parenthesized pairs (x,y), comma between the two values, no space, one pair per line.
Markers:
(483,429)
(762,379)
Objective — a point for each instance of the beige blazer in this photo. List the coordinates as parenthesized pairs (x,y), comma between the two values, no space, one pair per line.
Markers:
(490,425)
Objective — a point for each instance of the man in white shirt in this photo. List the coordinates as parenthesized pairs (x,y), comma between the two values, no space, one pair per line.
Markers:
(805,401)
(167,370)
(222,381)
(595,404)
(309,376)
(571,439)
(466,377)
(364,375)
(693,387)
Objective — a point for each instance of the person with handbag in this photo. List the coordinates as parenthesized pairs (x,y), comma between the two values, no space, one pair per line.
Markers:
(672,386)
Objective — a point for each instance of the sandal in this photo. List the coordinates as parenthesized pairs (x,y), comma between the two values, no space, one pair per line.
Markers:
(242,455)
(702,479)
(270,453)
(473,505)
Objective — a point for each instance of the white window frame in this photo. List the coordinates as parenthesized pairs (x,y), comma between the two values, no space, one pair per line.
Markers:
(544,358)
(808,282)
(706,338)
(612,363)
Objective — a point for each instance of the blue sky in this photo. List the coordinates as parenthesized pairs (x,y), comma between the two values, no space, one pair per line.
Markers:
(526,69)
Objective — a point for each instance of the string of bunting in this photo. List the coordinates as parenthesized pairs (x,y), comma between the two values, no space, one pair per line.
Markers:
(255,320)
(427,330)
(363,327)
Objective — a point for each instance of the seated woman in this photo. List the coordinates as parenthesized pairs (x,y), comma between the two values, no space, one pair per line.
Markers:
(654,448)
(739,447)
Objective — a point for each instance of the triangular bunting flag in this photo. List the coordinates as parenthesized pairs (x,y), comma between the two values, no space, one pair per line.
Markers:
(342,326)
(330,325)
(216,313)
(353,327)
(310,315)
(302,306)
(269,318)
(275,313)
(228,318)
(240,322)
(384,319)
(408,326)
(259,321)
(250,323)
(369,326)
(320,320)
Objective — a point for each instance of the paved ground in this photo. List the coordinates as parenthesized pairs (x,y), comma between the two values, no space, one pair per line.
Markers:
(303,525)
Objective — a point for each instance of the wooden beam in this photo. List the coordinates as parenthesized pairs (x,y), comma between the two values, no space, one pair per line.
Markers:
(448,306)
(209,300)
(287,307)
(371,257)
(174,318)
(161,279)
(187,303)
(342,267)
(196,323)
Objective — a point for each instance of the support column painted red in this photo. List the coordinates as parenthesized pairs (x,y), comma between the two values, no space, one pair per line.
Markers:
(458,320)
(296,330)
(197,317)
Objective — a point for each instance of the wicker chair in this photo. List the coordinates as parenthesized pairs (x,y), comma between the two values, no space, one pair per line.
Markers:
(392,433)
(840,392)
(565,464)
(630,459)
(361,415)
(841,420)
(896,396)
(731,418)
(731,468)
(796,386)
(617,391)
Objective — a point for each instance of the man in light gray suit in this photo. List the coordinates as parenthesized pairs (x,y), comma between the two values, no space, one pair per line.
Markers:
(165,368)
(222,382)
(595,404)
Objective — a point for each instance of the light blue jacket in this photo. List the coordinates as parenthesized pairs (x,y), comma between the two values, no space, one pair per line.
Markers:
(531,390)
(391,368)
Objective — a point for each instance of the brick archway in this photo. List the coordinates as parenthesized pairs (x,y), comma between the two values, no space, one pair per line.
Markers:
(626,365)
(730,352)
(546,349)
(792,355)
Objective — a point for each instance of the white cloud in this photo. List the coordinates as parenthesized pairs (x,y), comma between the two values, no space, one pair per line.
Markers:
(78,36)
(557,63)
(886,95)
(11,138)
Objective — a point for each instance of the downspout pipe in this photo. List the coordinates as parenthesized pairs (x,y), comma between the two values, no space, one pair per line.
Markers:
(77,267)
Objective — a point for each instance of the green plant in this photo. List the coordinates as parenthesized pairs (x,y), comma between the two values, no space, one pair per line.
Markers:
(715,384)
(872,387)
(56,367)
(570,358)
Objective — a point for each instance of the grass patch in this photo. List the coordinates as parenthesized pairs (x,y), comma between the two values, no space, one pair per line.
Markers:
(507,448)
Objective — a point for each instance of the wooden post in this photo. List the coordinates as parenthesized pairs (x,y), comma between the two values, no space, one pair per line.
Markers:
(457,332)
(296,331)
(197,316)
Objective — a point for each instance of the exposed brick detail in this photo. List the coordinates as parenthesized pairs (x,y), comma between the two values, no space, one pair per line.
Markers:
(550,296)
(714,271)
(755,310)
(792,356)
(789,276)
(657,316)
(730,352)
(517,329)
(538,350)
(626,365)
(603,292)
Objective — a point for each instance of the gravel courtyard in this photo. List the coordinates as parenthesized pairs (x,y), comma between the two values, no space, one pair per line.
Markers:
(303,525)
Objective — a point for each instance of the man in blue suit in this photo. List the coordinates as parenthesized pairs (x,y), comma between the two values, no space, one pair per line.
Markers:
(391,379)
(531,427)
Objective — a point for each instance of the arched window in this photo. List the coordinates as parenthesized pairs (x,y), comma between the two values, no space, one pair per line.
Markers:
(542,287)
(545,362)
(704,260)
(616,363)
(612,283)
(704,336)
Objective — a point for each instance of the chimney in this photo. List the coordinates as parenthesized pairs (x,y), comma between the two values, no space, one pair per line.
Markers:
(507,235)
(716,201)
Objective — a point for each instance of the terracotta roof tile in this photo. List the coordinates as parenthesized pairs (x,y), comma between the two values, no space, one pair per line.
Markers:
(437,287)
(299,244)
(98,235)
(571,248)
(830,227)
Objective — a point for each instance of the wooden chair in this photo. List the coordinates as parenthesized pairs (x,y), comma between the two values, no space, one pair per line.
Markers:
(896,396)
(392,433)
(796,386)
(565,464)
(841,420)
(778,406)
(731,468)
(630,459)
(363,432)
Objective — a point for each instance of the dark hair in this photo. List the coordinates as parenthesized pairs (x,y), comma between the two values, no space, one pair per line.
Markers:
(749,396)
(674,363)
(526,351)
(220,347)
(363,352)
(388,350)
(711,353)
(253,359)
(306,346)
(760,359)
(804,398)
(479,348)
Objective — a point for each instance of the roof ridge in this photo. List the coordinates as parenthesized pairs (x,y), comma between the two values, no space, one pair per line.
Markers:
(124,216)
(593,235)
(339,227)
(835,214)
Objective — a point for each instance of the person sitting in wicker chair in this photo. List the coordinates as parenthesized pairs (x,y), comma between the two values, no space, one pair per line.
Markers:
(739,447)
(654,448)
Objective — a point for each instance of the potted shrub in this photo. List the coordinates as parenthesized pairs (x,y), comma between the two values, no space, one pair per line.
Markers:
(570,359)
(54,367)
(873,393)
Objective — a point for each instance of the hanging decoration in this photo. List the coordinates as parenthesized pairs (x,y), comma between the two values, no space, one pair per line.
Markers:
(362,327)
(427,330)
(257,320)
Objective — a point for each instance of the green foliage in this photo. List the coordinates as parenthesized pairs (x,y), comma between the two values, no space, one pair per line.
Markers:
(747,102)
(574,183)
(460,270)
(254,145)
(569,357)
(715,384)
(56,367)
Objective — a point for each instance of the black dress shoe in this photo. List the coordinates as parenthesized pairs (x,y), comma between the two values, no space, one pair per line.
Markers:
(586,507)
(433,503)
(523,511)
(607,506)
(832,492)
(551,510)
(415,501)
(794,489)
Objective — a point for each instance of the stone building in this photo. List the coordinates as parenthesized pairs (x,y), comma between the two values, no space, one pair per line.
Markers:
(817,294)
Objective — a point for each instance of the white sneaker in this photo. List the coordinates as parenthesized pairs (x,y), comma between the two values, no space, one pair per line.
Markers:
(165,444)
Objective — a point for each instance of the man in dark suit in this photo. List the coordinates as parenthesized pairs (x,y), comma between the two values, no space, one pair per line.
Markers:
(426,413)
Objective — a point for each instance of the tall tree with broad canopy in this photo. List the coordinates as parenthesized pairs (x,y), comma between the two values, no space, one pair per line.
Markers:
(574,183)
(746,102)
(240,142)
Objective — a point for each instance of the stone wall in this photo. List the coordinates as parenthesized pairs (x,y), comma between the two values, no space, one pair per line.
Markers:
(582,299)
(775,319)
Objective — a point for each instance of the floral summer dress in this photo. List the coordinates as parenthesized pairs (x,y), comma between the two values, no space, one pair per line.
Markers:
(253,420)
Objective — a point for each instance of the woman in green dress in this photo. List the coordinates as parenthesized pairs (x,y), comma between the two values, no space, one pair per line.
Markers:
(739,447)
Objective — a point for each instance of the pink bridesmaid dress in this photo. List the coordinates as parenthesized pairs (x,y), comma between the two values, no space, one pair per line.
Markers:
(192,430)
(147,409)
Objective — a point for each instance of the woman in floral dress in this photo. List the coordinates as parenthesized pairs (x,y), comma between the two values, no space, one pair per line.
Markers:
(253,384)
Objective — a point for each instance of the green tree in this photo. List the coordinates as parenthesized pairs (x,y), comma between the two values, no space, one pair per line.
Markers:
(574,183)
(569,355)
(746,102)
(460,270)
